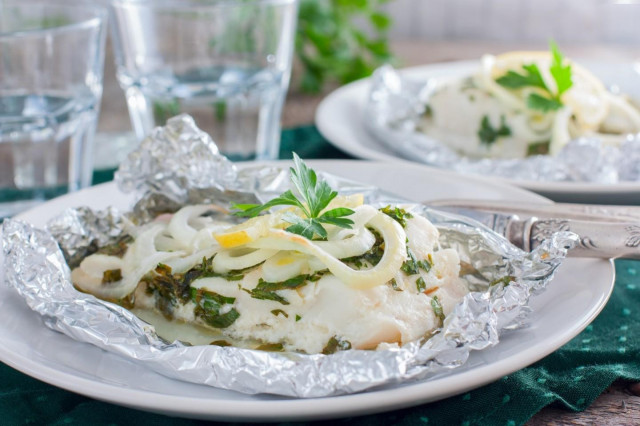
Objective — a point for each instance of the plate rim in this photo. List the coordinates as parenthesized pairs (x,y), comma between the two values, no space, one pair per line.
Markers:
(325,127)
(297,409)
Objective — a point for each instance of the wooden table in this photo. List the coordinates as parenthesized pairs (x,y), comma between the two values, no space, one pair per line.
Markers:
(618,405)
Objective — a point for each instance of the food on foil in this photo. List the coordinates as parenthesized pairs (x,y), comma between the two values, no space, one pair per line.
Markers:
(166,172)
(323,273)
(526,103)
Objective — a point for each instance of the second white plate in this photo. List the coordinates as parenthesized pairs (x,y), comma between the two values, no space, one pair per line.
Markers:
(340,120)
(573,299)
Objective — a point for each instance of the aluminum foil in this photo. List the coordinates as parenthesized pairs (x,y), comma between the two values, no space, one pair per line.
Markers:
(36,267)
(396,105)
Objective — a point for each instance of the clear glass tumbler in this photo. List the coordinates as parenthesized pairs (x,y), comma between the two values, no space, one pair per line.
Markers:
(227,63)
(51,63)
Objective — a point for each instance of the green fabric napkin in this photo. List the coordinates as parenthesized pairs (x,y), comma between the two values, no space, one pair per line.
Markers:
(572,377)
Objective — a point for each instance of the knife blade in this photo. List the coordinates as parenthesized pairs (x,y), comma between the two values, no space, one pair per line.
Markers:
(597,239)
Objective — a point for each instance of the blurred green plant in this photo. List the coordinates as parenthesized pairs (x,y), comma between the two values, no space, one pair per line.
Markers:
(334,44)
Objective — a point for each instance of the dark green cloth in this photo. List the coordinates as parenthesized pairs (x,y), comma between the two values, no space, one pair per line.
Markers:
(572,377)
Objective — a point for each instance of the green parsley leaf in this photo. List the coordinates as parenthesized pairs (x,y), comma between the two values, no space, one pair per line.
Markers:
(398,214)
(277,312)
(271,347)
(488,134)
(285,199)
(531,78)
(267,290)
(437,308)
(209,305)
(549,101)
(542,103)
(335,344)
(561,73)
(316,194)
(394,284)
(538,148)
(305,227)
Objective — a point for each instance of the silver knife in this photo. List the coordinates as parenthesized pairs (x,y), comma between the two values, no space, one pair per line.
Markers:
(598,238)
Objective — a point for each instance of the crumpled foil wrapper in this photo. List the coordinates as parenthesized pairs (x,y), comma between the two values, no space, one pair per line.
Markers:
(36,267)
(396,105)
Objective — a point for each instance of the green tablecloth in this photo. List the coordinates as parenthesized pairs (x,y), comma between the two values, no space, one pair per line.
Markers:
(572,377)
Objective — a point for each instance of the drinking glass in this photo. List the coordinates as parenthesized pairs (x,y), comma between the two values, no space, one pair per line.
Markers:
(227,63)
(51,62)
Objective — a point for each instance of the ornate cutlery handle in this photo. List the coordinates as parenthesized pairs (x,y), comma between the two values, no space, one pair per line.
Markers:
(597,239)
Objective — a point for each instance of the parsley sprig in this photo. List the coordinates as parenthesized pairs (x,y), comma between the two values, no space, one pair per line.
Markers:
(531,77)
(316,196)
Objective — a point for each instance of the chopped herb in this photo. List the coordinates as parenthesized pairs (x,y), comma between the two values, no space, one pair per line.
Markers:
(271,347)
(267,290)
(398,214)
(425,264)
(394,284)
(220,343)
(371,257)
(209,305)
(421,285)
(277,312)
(488,134)
(170,288)
(317,275)
(538,148)
(428,111)
(117,248)
(437,308)
(298,317)
(410,266)
(166,288)
(506,280)
(532,77)
(316,196)
(334,345)
(111,276)
(260,294)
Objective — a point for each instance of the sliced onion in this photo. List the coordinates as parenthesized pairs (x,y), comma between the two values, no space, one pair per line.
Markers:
(142,257)
(96,264)
(355,245)
(392,259)
(488,84)
(285,265)
(240,258)
(560,131)
(179,227)
(88,276)
(183,264)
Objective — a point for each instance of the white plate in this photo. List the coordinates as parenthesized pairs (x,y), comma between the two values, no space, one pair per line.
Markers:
(340,120)
(573,300)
